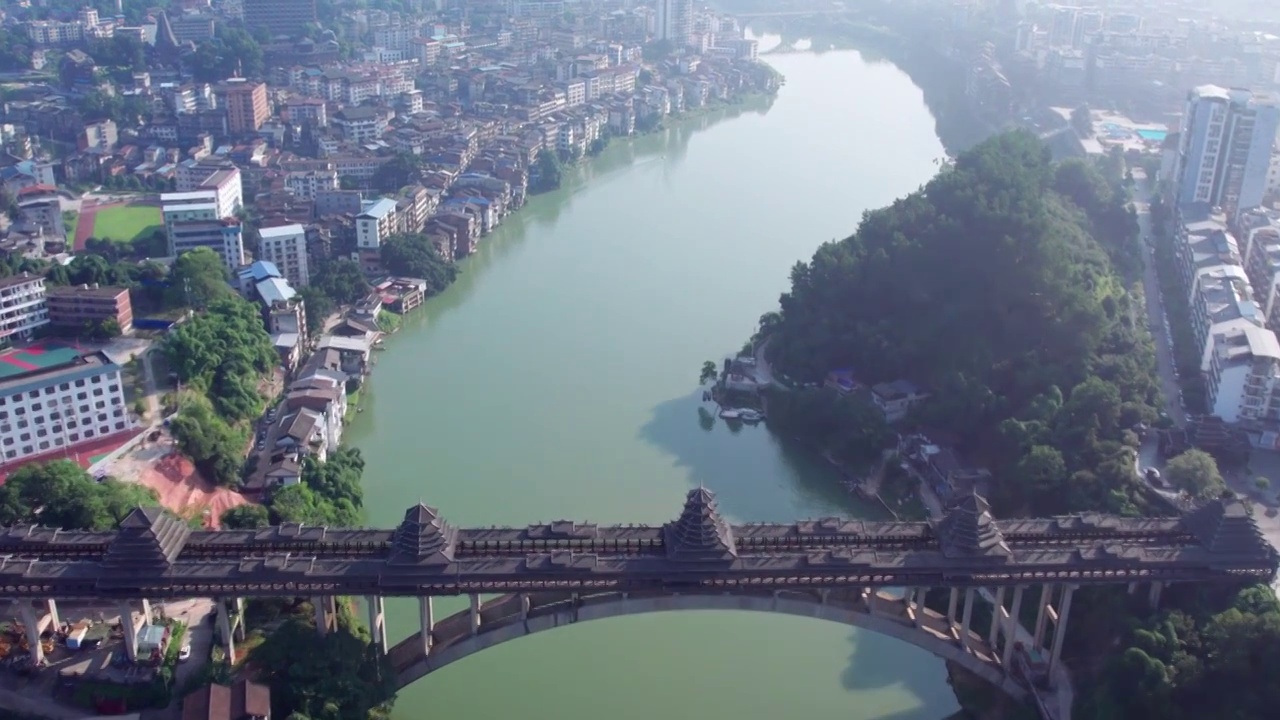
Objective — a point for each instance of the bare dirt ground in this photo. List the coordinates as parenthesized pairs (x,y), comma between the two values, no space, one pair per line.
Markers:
(175,479)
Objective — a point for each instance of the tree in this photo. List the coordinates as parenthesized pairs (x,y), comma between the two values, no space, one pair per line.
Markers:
(710,371)
(1263,484)
(213,445)
(1196,472)
(1082,121)
(61,494)
(319,307)
(545,175)
(414,255)
(223,353)
(399,171)
(245,517)
(341,280)
(198,278)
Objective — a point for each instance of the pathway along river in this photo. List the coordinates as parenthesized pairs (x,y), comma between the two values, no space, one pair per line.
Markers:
(558,379)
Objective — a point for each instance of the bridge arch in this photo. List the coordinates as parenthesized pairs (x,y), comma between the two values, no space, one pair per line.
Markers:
(502,621)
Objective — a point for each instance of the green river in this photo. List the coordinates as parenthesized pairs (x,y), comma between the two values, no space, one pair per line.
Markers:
(558,379)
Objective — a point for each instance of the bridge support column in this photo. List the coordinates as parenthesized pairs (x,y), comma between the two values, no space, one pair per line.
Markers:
(475,614)
(1046,595)
(997,619)
(525,605)
(225,629)
(915,605)
(964,623)
(1153,597)
(31,623)
(377,623)
(427,615)
(326,608)
(951,606)
(53,614)
(1060,627)
(1011,630)
(237,627)
(129,629)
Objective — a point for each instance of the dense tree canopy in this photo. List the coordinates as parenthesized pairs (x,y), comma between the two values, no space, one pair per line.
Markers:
(232,52)
(198,279)
(341,280)
(213,444)
(1195,472)
(989,287)
(61,494)
(329,494)
(223,353)
(413,255)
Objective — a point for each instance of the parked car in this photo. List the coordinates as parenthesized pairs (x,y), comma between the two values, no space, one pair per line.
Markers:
(184,653)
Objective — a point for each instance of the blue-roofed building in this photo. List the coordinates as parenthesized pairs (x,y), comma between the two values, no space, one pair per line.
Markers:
(252,274)
(274,290)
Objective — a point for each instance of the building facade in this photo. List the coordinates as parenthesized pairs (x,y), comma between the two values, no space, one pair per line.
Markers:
(23,306)
(58,407)
(75,306)
(1227,140)
(279,17)
(286,247)
(246,104)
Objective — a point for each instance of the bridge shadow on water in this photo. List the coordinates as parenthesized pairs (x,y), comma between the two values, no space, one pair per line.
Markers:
(758,476)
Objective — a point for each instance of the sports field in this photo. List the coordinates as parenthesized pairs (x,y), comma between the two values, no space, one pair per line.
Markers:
(35,357)
(123,223)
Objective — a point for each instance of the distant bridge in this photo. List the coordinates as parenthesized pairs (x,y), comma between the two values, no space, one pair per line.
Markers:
(873,574)
(793,13)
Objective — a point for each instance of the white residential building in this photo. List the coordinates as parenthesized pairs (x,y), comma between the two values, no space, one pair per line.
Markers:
(1243,376)
(307,184)
(222,187)
(1226,142)
(23,306)
(194,225)
(375,223)
(54,408)
(286,246)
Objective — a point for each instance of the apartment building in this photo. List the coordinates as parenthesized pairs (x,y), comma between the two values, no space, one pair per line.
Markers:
(1243,377)
(192,225)
(23,306)
(374,224)
(364,123)
(74,306)
(246,104)
(307,184)
(1223,300)
(279,17)
(286,247)
(59,406)
(1226,143)
(221,187)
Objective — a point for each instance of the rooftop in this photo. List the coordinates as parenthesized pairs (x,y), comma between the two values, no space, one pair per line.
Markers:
(281,231)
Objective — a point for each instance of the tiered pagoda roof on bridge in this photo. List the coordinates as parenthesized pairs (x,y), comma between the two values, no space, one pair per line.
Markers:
(154,554)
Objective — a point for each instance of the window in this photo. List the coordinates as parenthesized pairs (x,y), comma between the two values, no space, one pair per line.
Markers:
(27,449)
(88,433)
(37,406)
(22,424)
(48,390)
(84,408)
(99,405)
(102,417)
(44,445)
(19,410)
(113,388)
(74,437)
(64,386)
(118,412)
(41,432)
(80,383)
(120,425)
(95,379)
(24,437)
(82,396)
(97,392)
(9,454)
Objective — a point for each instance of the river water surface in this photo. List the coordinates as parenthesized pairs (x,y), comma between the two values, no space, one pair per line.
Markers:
(558,379)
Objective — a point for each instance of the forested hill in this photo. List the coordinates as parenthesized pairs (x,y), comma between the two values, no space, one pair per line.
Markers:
(996,286)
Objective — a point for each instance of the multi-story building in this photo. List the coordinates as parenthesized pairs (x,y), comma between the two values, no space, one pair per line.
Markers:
(192,225)
(306,185)
(1227,138)
(246,105)
(74,306)
(1223,299)
(286,247)
(376,222)
(222,188)
(675,22)
(23,306)
(363,124)
(1243,377)
(279,17)
(55,408)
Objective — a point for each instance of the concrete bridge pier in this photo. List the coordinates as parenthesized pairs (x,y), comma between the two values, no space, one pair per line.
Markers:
(31,623)
(525,606)
(238,624)
(130,627)
(225,630)
(326,607)
(997,619)
(1060,627)
(475,614)
(52,607)
(951,607)
(1046,595)
(965,642)
(915,606)
(426,613)
(377,623)
(1153,596)
(1011,630)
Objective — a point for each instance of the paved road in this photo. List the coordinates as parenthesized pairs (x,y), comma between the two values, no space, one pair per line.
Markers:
(1155,305)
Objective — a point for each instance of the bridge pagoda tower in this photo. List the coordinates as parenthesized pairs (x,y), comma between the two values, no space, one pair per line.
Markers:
(146,546)
(423,538)
(700,534)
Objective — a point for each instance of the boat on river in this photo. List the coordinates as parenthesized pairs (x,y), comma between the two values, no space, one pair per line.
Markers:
(730,414)
(749,415)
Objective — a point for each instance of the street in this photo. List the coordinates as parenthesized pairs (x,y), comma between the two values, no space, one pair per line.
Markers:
(1156,317)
